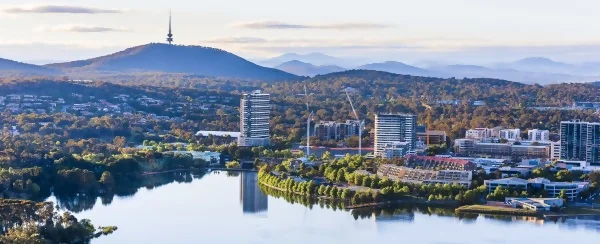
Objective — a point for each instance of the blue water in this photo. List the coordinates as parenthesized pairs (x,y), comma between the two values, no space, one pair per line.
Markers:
(231,209)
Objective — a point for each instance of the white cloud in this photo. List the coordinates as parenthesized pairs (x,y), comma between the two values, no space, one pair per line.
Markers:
(335,26)
(59,9)
(80,29)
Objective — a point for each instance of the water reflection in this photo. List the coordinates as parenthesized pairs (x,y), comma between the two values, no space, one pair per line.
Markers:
(252,199)
(78,202)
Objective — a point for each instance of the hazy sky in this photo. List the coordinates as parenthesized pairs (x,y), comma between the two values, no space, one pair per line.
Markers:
(460,31)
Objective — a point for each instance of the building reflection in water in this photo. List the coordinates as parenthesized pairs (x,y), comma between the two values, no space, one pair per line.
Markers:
(252,199)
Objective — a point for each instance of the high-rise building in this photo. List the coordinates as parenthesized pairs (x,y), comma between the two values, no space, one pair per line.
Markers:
(255,112)
(580,141)
(252,199)
(538,135)
(391,128)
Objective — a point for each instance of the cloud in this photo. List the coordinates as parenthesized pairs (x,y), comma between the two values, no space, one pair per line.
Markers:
(58,9)
(80,29)
(283,25)
(237,40)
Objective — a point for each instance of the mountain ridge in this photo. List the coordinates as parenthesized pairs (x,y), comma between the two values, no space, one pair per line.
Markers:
(166,58)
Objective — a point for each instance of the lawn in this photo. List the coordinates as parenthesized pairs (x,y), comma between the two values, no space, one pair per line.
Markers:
(501,210)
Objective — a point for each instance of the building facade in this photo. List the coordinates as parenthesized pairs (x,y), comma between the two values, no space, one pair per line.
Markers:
(580,141)
(536,135)
(396,150)
(391,128)
(331,130)
(255,112)
(510,134)
(572,189)
(421,176)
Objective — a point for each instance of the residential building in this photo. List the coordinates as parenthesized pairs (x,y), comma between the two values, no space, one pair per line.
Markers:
(437,163)
(464,147)
(436,137)
(580,141)
(396,150)
(255,111)
(536,135)
(478,134)
(510,134)
(555,150)
(330,130)
(391,128)
(421,176)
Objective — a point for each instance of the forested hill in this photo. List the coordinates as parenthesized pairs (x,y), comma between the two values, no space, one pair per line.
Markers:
(10,67)
(165,58)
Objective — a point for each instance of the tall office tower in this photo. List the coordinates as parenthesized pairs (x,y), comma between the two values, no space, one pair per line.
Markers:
(391,128)
(255,112)
(592,149)
(580,141)
(573,140)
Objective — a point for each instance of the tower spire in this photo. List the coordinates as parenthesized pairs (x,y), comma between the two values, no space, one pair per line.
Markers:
(170,35)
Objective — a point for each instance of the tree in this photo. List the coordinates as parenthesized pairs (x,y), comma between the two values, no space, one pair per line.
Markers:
(106,181)
(327,156)
(233,165)
(563,195)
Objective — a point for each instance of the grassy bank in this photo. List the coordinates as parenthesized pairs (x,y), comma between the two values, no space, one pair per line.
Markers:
(484,209)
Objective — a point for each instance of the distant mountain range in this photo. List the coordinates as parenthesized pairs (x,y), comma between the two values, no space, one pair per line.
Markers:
(305,69)
(529,70)
(317,59)
(166,58)
(211,62)
(397,68)
(14,67)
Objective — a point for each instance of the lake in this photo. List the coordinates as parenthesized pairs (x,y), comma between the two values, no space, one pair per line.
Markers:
(221,208)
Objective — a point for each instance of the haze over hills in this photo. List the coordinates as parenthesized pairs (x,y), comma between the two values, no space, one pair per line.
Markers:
(312,58)
(305,69)
(397,68)
(166,58)
(14,67)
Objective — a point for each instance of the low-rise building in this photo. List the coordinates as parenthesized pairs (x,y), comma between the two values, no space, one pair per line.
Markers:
(436,137)
(572,189)
(396,150)
(535,204)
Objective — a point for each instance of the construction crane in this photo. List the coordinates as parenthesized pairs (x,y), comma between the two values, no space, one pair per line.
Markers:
(361,123)
(428,108)
(307,121)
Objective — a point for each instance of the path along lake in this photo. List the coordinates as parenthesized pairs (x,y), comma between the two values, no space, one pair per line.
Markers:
(218,207)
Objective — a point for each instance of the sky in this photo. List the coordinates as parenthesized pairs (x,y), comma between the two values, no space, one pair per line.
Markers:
(416,31)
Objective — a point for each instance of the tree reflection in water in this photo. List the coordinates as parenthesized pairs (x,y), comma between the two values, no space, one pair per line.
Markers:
(78,202)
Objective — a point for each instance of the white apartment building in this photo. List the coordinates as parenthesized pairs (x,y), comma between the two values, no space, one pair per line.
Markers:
(538,135)
(392,128)
(510,134)
(396,150)
(255,112)
(479,133)
(555,150)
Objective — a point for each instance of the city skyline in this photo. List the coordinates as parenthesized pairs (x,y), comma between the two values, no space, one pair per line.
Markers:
(445,31)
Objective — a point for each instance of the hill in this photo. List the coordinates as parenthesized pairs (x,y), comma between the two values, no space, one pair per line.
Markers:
(312,58)
(166,58)
(14,67)
(306,69)
(397,68)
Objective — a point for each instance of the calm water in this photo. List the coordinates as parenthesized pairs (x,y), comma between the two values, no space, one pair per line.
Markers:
(216,208)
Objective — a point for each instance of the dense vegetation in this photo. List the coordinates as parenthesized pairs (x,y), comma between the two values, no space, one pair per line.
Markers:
(39,222)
